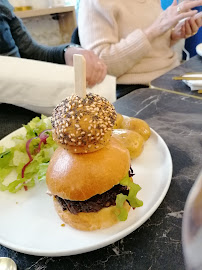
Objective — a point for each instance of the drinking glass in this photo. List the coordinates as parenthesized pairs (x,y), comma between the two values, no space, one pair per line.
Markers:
(192,227)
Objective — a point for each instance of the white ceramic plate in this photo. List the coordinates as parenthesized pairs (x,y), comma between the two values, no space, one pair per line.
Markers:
(199,49)
(29,223)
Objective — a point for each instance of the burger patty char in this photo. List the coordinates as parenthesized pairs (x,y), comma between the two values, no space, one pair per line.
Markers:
(95,203)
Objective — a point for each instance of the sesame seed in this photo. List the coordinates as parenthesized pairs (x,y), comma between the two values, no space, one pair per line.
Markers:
(97,110)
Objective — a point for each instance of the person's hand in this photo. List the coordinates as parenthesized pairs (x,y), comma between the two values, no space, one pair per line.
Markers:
(96,69)
(170,17)
(187,29)
(192,25)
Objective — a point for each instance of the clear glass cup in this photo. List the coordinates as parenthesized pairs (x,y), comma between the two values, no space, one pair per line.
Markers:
(192,227)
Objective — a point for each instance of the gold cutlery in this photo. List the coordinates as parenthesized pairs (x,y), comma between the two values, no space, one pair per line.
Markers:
(187,78)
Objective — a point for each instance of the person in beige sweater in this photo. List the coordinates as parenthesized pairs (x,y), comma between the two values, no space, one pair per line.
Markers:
(135,37)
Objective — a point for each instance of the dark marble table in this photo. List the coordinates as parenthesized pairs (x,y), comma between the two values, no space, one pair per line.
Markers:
(165,81)
(157,243)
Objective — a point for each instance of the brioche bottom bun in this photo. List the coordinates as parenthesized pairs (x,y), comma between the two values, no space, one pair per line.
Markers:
(102,219)
(78,177)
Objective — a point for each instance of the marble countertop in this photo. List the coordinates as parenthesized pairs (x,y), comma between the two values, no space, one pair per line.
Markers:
(157,243)
(165,81)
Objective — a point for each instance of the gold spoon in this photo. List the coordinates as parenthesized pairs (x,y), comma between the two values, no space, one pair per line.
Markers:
(7,264)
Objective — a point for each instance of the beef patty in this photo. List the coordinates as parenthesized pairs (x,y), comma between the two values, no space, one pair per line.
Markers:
(95,203)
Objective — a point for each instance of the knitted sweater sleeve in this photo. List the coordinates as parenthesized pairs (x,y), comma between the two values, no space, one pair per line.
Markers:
(99,31)
(30,49)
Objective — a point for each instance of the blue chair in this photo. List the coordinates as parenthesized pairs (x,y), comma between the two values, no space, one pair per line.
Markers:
(192,42)
(166,3)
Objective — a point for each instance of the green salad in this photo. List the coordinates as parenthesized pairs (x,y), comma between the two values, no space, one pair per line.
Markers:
(22,165)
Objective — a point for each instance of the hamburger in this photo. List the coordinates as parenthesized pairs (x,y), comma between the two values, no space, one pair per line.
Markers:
(95,190)
(88,174)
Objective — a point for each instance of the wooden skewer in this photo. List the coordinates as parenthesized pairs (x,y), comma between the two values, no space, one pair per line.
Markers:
(80,75)
(187,78)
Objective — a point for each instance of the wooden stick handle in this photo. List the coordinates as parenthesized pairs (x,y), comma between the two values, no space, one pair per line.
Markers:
(80,75)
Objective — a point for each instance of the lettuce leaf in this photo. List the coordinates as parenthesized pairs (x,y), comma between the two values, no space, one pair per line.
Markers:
(15,158)
(42,171)
(37,125)
(132,199)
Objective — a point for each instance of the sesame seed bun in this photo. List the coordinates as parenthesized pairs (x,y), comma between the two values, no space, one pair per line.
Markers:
(83,125)
(78,177)
(84,149)
(102,219)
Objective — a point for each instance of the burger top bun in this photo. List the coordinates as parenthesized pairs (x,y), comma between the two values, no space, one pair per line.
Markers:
(78,177)
(83,125)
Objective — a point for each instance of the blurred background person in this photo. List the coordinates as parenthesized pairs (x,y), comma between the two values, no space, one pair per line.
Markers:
(136,38)
(16,41)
